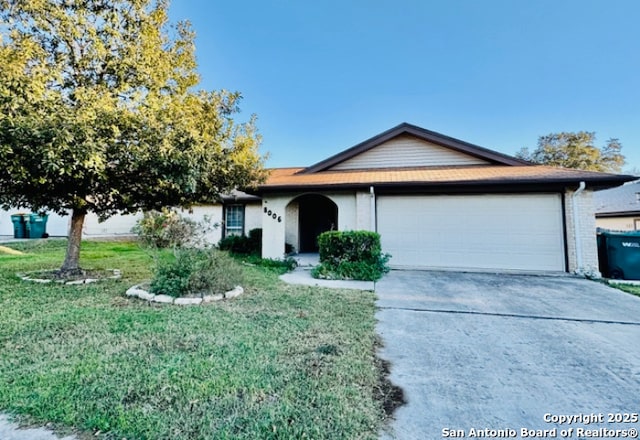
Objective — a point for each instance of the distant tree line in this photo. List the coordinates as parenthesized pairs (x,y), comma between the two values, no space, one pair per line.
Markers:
(576,150)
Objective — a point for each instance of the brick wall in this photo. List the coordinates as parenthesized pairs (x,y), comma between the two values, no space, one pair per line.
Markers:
(587,234)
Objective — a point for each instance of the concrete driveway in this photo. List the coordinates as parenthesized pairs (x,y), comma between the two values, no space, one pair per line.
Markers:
(505,352)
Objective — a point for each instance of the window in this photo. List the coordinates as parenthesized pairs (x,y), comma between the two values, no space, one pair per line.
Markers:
(636,224)
(234,220)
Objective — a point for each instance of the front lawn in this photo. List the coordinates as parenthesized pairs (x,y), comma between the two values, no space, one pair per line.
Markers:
(629,288)
(279,362)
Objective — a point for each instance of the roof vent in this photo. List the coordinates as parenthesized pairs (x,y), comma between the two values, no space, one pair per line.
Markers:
(638,197)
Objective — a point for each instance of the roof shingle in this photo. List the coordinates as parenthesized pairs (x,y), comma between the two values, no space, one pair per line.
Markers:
(618,200)
(282,178)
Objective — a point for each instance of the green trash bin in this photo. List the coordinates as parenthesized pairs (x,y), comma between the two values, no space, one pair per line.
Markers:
(622,254)
(37,225)
(603,261)
(19,227)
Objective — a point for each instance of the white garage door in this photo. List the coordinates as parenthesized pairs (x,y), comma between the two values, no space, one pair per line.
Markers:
(512,232)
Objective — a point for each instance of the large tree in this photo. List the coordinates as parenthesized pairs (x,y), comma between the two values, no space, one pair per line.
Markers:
(576,150)
(99,113)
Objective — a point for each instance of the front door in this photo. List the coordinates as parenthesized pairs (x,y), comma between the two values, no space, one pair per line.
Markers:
(317,215)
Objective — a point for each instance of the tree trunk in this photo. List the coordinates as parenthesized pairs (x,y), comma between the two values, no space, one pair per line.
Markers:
(72,259)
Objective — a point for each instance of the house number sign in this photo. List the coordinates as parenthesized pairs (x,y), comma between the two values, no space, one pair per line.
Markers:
(272,214)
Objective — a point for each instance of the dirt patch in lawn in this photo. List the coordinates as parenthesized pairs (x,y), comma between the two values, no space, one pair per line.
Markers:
(391,396)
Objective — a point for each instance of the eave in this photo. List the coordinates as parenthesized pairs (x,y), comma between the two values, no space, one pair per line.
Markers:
(486,178)
(618,214)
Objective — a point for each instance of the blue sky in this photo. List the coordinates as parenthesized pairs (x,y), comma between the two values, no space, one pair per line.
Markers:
(325,75)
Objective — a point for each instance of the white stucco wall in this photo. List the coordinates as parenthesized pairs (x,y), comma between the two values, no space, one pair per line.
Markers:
(203,212)
(116,225)
(347,212)
(273,232)
(120,225)
(291,235)
(252,216)
(586,232)
(619,223)
(354,212)
(364,214)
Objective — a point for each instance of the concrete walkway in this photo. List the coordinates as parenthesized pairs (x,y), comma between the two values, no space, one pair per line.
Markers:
(302,275)
(10,239)
(12,431)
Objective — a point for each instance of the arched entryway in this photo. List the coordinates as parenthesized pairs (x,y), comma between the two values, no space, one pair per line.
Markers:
(316,214)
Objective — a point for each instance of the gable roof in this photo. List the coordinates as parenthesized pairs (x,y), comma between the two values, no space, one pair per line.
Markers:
(622,200)
(492,171)
(493,157)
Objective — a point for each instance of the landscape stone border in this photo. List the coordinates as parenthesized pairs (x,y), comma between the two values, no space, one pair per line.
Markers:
(138,292)
(27,277)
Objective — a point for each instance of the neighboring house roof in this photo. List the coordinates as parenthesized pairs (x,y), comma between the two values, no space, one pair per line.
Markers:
(620,201)
(411,158)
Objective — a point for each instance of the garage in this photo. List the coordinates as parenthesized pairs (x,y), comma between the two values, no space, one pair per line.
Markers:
(490,231)
(440,202)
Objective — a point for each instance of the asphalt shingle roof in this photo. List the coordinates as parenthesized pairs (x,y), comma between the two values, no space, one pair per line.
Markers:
(281,178)
(502,173)
(619,200)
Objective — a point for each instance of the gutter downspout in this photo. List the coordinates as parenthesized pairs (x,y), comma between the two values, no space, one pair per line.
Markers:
(372,205)
(576,226)
(372,214)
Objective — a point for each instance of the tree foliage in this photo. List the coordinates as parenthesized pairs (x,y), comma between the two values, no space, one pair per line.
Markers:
(576,150)
(99,112)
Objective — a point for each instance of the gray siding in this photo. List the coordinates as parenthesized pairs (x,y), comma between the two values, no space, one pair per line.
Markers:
(407,151)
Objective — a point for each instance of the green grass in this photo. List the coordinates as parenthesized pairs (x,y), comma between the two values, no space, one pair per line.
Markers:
(634,290)
(278,266)
(279,362)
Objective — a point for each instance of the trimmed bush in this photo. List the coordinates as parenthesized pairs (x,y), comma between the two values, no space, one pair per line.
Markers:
(243,245)
(355,255)
(196,272)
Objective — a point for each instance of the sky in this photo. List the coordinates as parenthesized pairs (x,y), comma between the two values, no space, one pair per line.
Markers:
(325,75)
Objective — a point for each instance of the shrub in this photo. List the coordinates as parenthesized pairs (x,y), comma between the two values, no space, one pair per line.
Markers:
(243,245)
(353,255)
(283,266)
(352,270)
(165,228)
(279,266)
(194,271)
(361,246)
(218,273)
(171,276)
